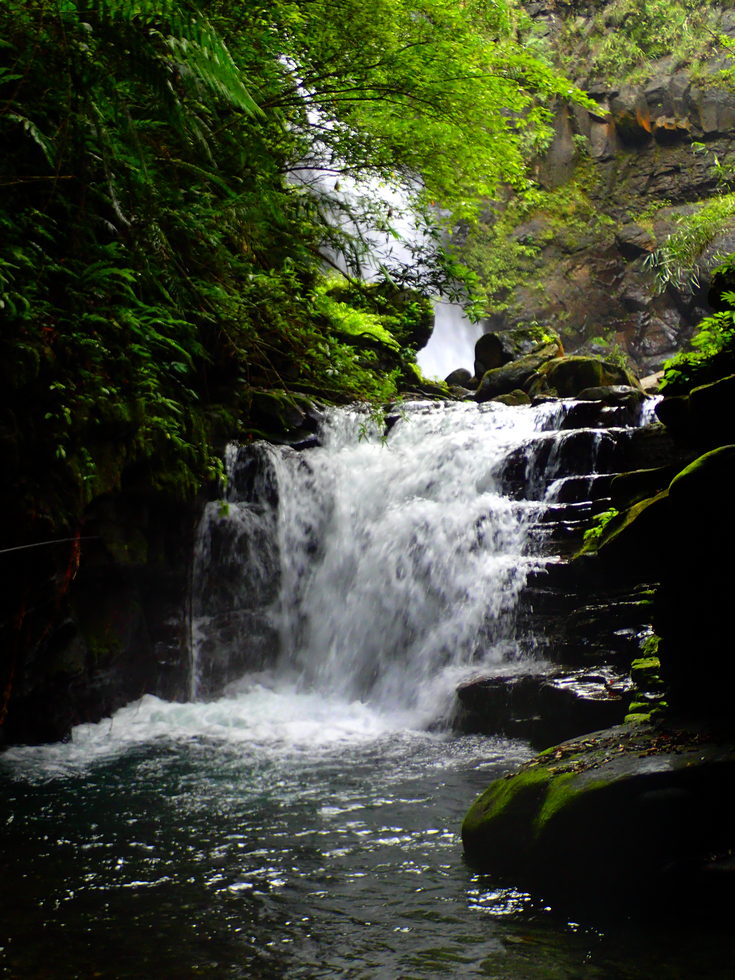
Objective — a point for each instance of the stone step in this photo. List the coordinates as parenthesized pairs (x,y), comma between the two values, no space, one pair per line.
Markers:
(574,489)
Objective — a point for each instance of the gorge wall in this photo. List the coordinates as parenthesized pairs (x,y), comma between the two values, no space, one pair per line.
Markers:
(615,181)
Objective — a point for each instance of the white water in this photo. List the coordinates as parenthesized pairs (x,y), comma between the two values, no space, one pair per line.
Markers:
(399,562)
(366,578)
(452,343)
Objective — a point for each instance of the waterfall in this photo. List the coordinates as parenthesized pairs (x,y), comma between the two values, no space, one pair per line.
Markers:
(452,342)
(380,569)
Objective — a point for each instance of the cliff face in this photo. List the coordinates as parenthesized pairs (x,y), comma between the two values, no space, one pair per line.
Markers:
(616,182)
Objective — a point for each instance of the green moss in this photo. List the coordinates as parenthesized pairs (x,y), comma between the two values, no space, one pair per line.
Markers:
(637,718)
(593,534)
(502,792)
(645,669)
(504,249)
(558,795)
(618,526)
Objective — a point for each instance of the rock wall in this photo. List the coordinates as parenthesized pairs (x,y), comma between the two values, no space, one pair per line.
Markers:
(618,179)
(93,622)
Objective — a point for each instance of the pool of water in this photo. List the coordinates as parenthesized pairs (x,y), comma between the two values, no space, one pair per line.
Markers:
(264,837)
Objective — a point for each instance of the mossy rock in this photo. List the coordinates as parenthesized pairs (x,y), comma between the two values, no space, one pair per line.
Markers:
(626,812)
(705,484)
(644,670)
(568,376)
(516,397)
(630,488)
(632,538)
(495,349)
(516,374)
(704,417)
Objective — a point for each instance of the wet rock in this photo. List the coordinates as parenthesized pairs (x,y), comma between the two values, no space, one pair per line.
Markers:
(545,707)
(459,378)
(702,418)
(569,375)
(516,374)
(630,488)
(517,397)
(634,813)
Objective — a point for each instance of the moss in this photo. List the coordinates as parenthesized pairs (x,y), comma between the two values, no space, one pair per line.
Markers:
(700,479)
(631,521)
(500,794)
(558,795)
(637,718)
(645,669)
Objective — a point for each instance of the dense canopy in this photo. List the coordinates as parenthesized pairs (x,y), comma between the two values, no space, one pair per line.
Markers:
(170,206)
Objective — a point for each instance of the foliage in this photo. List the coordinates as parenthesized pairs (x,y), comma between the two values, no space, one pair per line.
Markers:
(713,355)
(504,248)
(676,261)
(164,232)
(625,36)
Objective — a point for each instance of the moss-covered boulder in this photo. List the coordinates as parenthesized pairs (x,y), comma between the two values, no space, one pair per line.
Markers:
(494,349)
(634,813)
(568,376)
(683,537)
(629,538)
(516,374)
(706,483)
(515,397)
(630,488)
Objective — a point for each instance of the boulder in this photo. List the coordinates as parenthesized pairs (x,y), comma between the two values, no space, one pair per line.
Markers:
(543,707)
(703,491)
(516,397)
(460,378)
(704,417)
(496,348)
(630,488)
(633,241)
(567,376)
(613,395)
(516,374)
(633,813)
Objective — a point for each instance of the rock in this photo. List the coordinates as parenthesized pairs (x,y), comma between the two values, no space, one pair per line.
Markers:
(516,397)
(634,813)
(545,707)
(567,376)
(489,354)
(711,411)
(630,488)
(631,536)
(516,374)
(704,417)
(704,489)
(675,537)
(633,241)
(496,348)
(459,378)
(651,383)
(613,395)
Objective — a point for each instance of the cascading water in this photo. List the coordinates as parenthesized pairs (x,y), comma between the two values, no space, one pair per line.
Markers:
(303,822)
(385,567)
